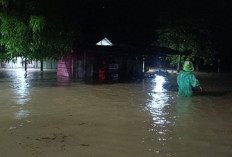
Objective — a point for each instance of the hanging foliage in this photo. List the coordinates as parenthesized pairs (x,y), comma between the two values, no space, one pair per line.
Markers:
(14,35)
(32,35)
(187,38)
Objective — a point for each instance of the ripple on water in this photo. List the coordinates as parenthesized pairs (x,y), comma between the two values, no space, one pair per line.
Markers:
(22,114)
(163,124)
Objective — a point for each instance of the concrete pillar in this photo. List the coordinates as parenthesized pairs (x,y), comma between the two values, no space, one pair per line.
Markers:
(143,65)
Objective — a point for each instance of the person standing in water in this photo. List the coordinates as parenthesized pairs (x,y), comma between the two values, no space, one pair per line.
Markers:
(186,80)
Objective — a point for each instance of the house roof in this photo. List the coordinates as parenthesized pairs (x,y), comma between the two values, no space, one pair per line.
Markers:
(125,49)
(105,42)
(106,45)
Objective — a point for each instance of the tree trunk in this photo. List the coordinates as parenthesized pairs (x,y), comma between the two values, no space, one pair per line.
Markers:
(41,65)
(25,65)
(143,65)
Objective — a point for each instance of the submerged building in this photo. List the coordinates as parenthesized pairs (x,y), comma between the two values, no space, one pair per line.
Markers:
(103,61)
(108,61)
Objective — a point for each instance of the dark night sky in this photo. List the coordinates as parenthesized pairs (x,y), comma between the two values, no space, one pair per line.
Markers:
(135,21)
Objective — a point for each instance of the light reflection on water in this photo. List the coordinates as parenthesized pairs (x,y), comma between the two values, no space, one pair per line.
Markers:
(158,83)
(22,114)
(163,122)
(158,100)
(47,115)
(21,87)
(22,93)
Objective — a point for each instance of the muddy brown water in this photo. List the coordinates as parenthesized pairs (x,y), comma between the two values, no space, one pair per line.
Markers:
(45,116)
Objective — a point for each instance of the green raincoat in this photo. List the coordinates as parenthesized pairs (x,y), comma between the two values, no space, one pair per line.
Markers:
(186,80)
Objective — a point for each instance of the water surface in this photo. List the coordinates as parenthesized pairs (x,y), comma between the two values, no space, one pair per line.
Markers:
(42,115)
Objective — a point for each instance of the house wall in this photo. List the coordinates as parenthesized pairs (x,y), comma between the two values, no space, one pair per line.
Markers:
(11,65)
(48,64)
(79,65)
(93,64)
(133,69)
(65,65)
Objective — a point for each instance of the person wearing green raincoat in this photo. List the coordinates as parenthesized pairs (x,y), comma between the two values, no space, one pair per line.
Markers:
(186,80)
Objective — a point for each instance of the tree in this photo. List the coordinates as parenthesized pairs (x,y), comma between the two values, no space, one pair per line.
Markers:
(15,37)
(50,39)
(30,34)
(187,38)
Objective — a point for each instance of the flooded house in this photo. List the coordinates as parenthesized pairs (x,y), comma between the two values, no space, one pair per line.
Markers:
(107,61)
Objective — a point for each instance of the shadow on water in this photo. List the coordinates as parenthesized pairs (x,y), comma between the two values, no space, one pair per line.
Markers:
(213,93)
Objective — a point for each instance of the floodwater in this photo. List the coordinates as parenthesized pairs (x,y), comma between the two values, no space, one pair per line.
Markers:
(45,116)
